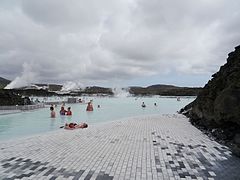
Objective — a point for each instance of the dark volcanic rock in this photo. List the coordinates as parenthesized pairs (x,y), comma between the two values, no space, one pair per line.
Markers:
(217,107)
(97,90)
(9,98)
(31,92)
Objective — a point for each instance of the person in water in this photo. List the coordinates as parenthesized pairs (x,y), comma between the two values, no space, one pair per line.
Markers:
(53,114)
(69,112)
(155,104)
(89,107)
(143,105)
(75,126)
(62,111)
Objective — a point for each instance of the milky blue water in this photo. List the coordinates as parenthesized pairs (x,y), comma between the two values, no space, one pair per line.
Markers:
(111,109)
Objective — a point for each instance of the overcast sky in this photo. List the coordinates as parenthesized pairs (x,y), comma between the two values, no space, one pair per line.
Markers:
(116,42)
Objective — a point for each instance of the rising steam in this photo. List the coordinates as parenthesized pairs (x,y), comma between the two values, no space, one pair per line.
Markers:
(28,76)
(121,92)
(72,86)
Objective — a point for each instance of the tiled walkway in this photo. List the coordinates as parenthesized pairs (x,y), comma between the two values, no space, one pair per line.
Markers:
(153,147)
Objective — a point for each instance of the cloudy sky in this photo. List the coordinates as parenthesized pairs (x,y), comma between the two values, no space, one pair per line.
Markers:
(116,42)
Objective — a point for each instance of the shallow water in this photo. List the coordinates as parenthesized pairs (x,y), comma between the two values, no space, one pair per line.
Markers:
(39,121)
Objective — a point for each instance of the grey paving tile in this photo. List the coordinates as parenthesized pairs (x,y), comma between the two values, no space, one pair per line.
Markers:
(78,175)
(143,147)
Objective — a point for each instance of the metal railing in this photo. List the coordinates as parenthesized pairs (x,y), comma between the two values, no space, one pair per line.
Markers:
(23,107)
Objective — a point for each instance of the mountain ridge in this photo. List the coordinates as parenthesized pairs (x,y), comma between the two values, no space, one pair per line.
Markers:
(155,89)
(4,82)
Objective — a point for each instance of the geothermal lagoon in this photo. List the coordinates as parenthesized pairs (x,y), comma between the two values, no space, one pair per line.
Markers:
(37,121)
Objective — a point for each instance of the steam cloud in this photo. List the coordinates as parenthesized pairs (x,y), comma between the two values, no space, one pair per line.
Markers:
(28,76)
(71,86)
(121,92)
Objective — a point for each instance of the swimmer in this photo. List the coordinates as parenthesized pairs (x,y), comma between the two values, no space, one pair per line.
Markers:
(62,111)
(143,105)
(53,114)
(69,112)
(89,107)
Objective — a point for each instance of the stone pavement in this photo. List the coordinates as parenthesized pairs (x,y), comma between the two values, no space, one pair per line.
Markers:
(149,147)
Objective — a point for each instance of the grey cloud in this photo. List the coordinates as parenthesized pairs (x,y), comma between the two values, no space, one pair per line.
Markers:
(116,41)
(58,12)
(67,16)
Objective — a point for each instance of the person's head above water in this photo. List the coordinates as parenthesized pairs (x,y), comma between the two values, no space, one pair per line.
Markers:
(51,108)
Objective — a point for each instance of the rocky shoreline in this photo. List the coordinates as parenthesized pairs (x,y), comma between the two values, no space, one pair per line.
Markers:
(216,109)
(11,98)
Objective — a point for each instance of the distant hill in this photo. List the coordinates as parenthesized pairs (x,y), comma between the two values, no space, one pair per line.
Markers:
(4,82)
(157,89)
(165,90)
(161,86)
